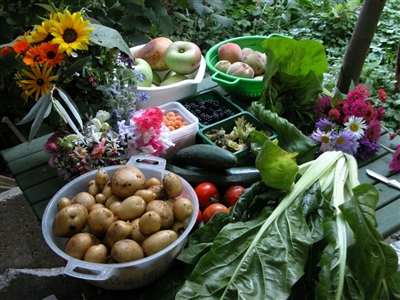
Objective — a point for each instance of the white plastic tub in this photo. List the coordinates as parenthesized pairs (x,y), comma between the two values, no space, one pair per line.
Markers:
(118,276)
(173,92)
(185,136)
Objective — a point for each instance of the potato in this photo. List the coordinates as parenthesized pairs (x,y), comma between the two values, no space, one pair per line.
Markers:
(101,176)
(111,200)
(126,180)
(149,222)
(182,208)
(99,220)
(136,234)
(106,190)
(96,205)
(170,201)
(78,244)
(160,192)
(84,198)
(158,241)
(93,187)
(100,198)
(172,185)
(96,254)
(118,230)
(131,208)
(126,250)
(164,210)
(179,227)
(70,220)
(63,202)
(113,207)
(152,181)
(146,194)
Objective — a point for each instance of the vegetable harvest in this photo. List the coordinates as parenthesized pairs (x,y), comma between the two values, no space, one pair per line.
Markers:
(317,241)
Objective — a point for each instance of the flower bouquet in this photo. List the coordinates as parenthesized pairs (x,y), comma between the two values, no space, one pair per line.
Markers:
(81,74)
(351,123)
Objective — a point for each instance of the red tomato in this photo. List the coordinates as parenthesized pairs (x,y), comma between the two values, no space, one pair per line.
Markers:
(199,218)
(207,193)
(232,195)
(212,209)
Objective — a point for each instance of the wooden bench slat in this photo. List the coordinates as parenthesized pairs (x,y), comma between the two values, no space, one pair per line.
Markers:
(44,190)
(24,149)
(388,218)
(29,162)
(40,207)
(36,176)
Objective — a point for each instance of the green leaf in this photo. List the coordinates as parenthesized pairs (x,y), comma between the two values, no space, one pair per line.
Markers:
(44,109)
(63,113)
(71,106)
(277,167)
(108,37)
(35,109)
(370,258)
(75,67)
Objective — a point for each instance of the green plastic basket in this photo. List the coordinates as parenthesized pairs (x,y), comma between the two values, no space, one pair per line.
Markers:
(245,157)
(241,90)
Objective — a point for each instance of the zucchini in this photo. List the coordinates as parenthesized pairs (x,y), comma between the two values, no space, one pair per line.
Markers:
(244,176)
(205,156)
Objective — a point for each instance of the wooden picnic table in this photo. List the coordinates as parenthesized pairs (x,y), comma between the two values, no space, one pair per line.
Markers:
(28,163)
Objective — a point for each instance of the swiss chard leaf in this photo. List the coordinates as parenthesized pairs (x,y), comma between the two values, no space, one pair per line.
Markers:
(370,258)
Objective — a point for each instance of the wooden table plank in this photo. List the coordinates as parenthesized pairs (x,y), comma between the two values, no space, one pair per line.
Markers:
(388,218)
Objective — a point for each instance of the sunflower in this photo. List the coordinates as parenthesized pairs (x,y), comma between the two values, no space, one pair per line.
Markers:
(71,32)
(39,82)
(32,56)
(49,53)
(41,32)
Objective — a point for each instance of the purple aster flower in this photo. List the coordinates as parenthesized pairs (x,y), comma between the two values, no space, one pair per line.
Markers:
(324,125)
(346,142)
(395,163)
(324,139)
(366,148)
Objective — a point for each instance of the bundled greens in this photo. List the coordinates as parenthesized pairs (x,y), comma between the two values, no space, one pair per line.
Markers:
(318,240)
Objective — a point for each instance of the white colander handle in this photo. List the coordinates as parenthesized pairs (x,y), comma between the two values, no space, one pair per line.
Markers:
(157,163)
(80,269)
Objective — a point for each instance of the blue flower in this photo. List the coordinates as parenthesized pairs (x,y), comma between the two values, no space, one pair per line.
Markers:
(142,97)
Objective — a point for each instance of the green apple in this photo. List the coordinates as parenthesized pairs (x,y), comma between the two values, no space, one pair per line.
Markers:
(143,67)
(156,78)
(183,57)
(169,74)
(173,79)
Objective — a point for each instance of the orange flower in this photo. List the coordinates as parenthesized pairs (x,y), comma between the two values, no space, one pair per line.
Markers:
(21,46)
(49,53)
(6,50)
(32,56)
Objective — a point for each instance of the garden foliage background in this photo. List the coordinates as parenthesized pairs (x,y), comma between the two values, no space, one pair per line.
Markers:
(207,22)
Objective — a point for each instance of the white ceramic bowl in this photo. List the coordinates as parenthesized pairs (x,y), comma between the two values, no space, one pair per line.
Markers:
(118,276)
(173,92)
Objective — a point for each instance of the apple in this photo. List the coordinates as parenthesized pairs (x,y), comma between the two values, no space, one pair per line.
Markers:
(183,57)
(173,79)
(143,67)
(153,52)
(156,78)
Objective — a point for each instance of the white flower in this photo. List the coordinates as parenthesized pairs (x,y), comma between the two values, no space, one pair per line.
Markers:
(356,125)
(103,115)
(97,124)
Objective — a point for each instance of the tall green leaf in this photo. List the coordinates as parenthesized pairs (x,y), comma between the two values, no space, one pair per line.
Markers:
(42,112)
(108,37)
(63,113)
(71,106)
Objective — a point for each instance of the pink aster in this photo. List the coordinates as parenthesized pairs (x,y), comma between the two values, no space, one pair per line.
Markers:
(395,163)
(382,96)
(373,132)
(150,118)
(380,113)
(354,95)
(99,149)
(363,89)
(359,108)
(51,146)
(370,113)
(334,114)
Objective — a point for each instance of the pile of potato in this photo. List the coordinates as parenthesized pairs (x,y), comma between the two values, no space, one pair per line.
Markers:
(122,218)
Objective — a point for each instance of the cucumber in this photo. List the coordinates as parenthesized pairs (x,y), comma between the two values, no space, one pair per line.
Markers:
(244,176)
(205,156)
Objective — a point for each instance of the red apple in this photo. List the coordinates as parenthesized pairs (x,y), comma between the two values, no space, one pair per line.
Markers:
(183,57)
(153,52)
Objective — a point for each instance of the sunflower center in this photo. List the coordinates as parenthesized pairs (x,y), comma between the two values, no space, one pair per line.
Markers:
(40,82)
(325,139)
(340,140)
(354,127)
(70,35)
